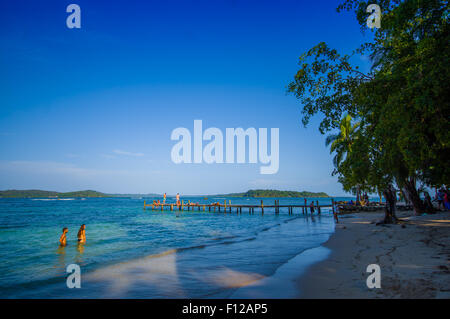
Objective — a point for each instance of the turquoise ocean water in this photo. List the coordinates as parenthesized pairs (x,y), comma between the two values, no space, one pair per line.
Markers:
(132,253)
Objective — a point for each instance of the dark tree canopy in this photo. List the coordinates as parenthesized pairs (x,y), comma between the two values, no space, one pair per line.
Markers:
(401,104)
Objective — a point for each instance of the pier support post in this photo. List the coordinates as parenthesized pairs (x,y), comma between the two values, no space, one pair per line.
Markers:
(334,211)
(262,208)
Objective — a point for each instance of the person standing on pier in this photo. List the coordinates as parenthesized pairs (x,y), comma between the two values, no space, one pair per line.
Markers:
(311,207)
(164,198)
(178,199)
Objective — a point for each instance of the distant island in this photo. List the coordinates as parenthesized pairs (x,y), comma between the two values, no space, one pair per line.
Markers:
(275,193)
(36,193)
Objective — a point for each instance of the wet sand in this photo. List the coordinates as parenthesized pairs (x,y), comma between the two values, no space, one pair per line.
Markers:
(283,283)
(414,257)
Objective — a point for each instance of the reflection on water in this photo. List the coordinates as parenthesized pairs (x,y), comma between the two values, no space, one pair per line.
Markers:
(61,251)
(229,278)
(80,250)
(200,254)
(156,273)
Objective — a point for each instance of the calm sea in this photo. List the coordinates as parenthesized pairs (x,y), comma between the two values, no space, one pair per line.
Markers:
(132,253)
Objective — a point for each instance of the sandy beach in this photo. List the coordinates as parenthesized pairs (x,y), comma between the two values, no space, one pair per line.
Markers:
(414,257)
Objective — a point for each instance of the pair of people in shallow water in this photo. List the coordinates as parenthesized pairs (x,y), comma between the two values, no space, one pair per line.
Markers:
(81,235)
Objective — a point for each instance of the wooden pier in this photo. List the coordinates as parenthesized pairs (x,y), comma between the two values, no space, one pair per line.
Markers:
(227,207)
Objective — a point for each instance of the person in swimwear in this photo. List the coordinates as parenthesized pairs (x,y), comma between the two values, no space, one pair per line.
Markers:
(82,234)
(63,239)
(178,198)
(164,198)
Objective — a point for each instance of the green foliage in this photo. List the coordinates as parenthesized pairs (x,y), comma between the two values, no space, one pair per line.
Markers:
(341,143)
(87,193)
(276,193)
(401,104)
(326,85)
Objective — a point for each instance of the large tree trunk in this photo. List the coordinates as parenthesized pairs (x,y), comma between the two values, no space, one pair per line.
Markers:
(404,195)
(390,208)
(413,196)
(358,195)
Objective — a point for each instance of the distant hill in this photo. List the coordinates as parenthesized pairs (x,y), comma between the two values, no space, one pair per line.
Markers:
(36,193)
(276,193)
(134,195)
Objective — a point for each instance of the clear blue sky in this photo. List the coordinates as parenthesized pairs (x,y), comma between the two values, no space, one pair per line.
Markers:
(93,108)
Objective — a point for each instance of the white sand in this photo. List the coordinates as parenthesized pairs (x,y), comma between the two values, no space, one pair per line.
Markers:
(414,259)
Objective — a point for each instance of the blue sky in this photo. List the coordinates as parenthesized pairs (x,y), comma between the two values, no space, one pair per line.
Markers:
(93,108)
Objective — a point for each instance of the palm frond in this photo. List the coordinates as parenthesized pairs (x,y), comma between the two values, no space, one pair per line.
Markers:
(331,138)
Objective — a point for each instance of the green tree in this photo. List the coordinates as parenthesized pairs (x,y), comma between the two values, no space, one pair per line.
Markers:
(341,143)
(401,102)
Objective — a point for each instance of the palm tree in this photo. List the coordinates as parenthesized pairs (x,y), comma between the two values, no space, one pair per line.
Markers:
(341,143)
